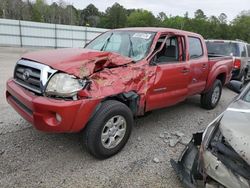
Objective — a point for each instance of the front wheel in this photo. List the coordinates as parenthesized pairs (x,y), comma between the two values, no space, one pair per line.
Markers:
(210,99)
(109,130)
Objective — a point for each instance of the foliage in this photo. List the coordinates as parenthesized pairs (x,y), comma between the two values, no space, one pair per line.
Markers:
(141,18)
(117,16)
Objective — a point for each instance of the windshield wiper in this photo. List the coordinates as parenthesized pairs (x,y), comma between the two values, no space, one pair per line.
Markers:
(106,42)
(131,50)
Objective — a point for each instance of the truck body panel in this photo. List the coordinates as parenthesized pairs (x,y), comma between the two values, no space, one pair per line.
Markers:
(157,85)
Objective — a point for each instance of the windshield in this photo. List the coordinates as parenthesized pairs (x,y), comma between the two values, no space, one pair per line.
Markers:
(222,48)
(131,44)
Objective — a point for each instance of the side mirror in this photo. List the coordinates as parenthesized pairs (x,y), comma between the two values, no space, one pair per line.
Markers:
(235,86)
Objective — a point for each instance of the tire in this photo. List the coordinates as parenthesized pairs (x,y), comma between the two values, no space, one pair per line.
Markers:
(210,99)
(108,130)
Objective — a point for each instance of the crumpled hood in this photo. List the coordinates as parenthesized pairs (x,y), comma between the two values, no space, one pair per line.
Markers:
(235,127)
(76,61)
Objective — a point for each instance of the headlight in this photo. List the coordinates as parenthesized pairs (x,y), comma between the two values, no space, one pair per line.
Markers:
(63,85)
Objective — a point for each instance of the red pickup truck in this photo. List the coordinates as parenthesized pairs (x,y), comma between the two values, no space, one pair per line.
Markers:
(119,75)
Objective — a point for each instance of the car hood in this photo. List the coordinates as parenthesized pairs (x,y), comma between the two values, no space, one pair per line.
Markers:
(76,61)
(235,127)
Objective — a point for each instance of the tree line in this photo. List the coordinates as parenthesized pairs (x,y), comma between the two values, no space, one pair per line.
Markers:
(116,16)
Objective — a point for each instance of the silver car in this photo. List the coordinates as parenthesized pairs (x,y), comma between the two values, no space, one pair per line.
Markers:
(220,157)
(240,50)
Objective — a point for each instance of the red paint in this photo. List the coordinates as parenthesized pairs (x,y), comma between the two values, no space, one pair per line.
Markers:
(158,86)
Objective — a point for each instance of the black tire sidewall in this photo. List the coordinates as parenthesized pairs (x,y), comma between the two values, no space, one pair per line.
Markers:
(216,83)
(206,98)
(97,123)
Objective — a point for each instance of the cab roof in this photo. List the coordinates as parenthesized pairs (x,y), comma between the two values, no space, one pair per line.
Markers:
(158,30)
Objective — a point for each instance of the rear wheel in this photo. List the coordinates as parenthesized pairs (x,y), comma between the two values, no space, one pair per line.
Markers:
(210,99)
(109,130)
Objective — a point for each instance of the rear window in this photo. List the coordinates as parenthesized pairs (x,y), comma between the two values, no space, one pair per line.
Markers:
(223,48)
(195,47)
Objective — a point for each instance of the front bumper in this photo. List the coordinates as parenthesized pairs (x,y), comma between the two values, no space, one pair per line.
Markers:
(42,111)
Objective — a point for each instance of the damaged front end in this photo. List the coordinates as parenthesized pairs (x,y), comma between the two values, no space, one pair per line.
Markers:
(187,165)
(210,160)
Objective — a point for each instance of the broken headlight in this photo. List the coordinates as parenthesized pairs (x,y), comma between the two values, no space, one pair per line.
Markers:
(211,128)
(64,85)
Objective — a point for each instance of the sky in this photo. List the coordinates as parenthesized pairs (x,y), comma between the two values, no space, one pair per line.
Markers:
(173,7)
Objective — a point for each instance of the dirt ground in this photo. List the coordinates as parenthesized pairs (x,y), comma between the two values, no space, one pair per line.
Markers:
(29,158)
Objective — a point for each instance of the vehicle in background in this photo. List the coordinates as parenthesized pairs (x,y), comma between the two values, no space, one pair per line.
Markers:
(220,157)
(121,74)
(240,50)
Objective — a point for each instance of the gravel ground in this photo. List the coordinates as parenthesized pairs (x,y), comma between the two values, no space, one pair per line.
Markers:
(29,158)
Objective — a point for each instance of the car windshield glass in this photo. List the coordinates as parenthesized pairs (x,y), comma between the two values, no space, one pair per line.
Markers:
(223,48)
(247,96)
(133,44)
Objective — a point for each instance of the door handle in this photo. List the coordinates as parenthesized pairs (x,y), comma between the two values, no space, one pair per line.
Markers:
(185,70)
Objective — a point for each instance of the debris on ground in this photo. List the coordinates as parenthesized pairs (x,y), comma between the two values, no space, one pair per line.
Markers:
(184,141)
(174,141)
(139,138)
(161,135)
(2,152)
(156,160)
(178,133)
(174,138)
(200,121)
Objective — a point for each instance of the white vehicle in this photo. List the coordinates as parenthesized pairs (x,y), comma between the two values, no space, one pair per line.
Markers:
(240,50)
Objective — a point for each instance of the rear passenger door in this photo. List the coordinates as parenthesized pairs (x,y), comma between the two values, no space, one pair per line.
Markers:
(198,66)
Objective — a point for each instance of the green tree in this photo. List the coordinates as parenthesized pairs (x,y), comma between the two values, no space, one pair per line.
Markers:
(90,16)
(38,11)
(176,22)
(222,18)
(162,16)
(142,18)
(241,26)
(115,17)
(199,14)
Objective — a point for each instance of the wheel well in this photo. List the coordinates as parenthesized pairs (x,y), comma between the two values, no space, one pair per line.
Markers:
(130,99)
(222,78)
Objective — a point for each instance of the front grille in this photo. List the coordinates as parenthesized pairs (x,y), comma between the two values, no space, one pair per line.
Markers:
(32,75)
(28,76)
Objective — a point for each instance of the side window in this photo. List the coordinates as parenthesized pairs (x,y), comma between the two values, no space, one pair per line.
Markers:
(195,47)
(172,50)
(248,50)
(242,49)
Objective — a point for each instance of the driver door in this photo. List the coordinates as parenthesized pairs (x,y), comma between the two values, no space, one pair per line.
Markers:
(172,74)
